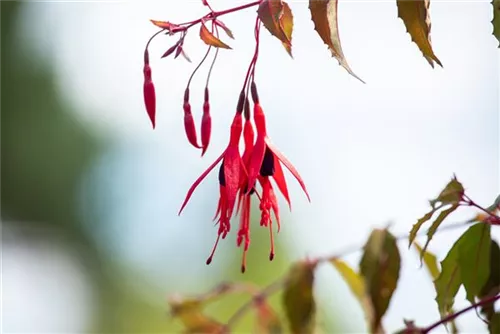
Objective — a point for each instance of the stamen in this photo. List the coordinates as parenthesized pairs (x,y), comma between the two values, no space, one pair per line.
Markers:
(271,254)
(209,260)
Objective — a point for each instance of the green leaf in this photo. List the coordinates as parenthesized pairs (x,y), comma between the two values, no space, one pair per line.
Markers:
(435,225)
(324,17)
(474,255)
(451,194)
(496,19)
(356,285)
(494,325)
(416,227)
(430,261)
(380,266)
(298,298)
(415,16)
(492,285)
(453,268)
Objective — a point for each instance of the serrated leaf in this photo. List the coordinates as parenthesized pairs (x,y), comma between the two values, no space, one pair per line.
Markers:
(268,321)
(492,285)
(189,312)
(277,17)
(298,298)
(416,227)
(451,278)
(380,266)
(451,194)
(286,23)
(228,31)
(324,17)
(496,19)
(475,255)
(356,285)
(209,38)
(416,18)
(435,225)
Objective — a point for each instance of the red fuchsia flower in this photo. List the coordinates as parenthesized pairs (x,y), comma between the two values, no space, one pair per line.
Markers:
(149,90)
(231,173)
(245,200)
(265,162)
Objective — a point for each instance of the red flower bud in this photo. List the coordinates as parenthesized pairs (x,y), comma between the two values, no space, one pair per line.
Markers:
(206,124)
(189,121)
(149,90)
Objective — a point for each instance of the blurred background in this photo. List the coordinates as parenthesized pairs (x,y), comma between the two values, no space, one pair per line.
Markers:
(91,240)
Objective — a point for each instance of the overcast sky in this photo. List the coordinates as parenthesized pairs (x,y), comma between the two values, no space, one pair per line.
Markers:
(370,154)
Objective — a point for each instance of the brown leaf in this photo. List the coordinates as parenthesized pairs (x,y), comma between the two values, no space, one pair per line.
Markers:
(209,38)
(415,15)
(496,19)
(164,24)
(324,16)
(380,266)
(277,17)
(298,298)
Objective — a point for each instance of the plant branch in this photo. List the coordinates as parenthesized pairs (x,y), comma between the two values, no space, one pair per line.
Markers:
(452,316)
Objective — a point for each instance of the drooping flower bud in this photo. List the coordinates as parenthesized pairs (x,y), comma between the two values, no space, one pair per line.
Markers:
(149,90)
(206,123)
(189,125)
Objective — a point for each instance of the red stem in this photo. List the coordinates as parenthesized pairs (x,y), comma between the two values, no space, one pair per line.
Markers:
(450,317)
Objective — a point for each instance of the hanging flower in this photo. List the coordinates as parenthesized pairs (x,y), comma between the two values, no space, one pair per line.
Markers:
(231,172)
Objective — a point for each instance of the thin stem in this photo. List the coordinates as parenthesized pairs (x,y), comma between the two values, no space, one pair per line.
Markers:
(146,57)
(468,201)
(213,15)
(216,53)
(197,67)
(251,68)
(452,316)
(258,297)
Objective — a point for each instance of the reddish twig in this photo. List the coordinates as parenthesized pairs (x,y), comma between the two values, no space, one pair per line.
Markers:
(452,316)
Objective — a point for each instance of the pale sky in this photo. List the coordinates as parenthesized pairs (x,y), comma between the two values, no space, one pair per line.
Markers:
(369,154)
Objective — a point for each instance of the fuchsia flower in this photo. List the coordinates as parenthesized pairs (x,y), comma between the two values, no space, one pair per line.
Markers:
(265,162)
(231,173)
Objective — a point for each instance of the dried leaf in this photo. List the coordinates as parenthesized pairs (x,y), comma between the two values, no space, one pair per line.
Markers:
(356,285)
(380,266)
(277,17)
(496,19)
(164,24)
(228,32)
(324,16)
(415,15)
(286,23)
(209,38)
(298,298)
(454,267)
